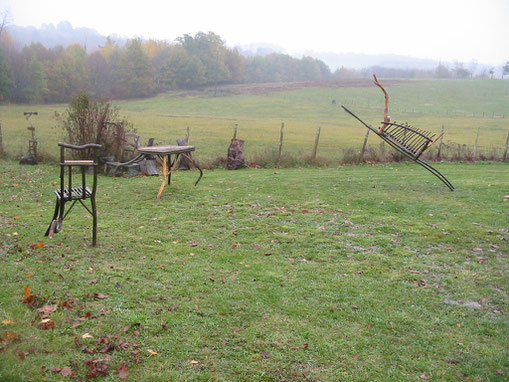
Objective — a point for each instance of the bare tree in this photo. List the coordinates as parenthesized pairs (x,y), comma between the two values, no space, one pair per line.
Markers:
(3,23)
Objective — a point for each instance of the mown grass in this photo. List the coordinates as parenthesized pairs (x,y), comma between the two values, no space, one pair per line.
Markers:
(427,104)
(349,273)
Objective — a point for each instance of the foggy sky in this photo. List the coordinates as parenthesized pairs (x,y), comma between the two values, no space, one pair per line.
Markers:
(448,30)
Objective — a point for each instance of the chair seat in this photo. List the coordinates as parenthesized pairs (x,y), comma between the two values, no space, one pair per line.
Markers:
(81,162)
(76,193)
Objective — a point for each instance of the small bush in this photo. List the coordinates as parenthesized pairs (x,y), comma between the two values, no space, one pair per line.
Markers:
(83,122)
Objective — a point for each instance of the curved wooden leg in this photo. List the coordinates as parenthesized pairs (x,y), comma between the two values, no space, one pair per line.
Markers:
(190,159)
(165,176)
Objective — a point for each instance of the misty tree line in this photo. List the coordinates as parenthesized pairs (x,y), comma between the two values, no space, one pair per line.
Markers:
(144,68)
(139,68)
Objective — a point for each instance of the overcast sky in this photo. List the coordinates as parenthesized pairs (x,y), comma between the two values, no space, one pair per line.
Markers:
(448,30)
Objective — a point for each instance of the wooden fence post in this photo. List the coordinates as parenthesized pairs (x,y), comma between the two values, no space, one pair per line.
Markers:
(361,157)
(187,134)
(441,143)
(476,142)
(316,143)
(280,144)
(506,147)
(235,131)
(1,142)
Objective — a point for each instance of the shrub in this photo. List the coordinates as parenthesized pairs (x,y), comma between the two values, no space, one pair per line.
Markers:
(84,122)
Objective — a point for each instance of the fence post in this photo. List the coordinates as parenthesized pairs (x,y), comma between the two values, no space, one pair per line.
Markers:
(235,131)
(506,147)
(280,144)
(317,139)
(476,142)
(187,134)
(361,157)
(441,143)
(2,145)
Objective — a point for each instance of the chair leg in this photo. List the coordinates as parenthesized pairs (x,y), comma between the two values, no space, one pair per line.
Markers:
(60,220)
(94,221)
(51,228)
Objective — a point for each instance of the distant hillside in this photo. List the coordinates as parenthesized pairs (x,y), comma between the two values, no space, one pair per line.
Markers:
(62,34)
(359,60)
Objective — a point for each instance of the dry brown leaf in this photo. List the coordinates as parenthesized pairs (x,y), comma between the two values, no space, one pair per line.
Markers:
(123,371)
(66,372)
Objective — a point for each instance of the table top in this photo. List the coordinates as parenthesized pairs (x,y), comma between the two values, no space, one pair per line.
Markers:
(165,150)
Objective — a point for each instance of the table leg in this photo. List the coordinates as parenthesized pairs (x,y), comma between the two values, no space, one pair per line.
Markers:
(195,165)
(165,176)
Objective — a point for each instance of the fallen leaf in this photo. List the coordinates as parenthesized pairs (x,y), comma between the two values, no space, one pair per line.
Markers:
(122,371)
(66,372)
(98,296)
(47,324)
(37,245)
(193,362)
(152,352)
(22,354)
(31,275)
(87,335)
(356,357)
(8,321)
(264,355)
(27,292)
(47,310)
(235,245)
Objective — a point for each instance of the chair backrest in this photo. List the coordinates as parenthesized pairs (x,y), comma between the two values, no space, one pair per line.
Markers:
(413,141)
(78,192)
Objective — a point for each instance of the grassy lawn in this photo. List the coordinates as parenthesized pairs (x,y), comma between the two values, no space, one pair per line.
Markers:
(357,273)
(426,104)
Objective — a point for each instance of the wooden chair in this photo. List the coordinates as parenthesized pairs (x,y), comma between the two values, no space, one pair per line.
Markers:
(69,193)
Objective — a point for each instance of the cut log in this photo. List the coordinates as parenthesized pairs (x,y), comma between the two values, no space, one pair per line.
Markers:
(236,155)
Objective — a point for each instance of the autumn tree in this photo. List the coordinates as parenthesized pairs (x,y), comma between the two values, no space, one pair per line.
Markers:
(135,74)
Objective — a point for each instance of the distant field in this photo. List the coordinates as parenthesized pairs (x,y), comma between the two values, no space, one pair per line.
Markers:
(462,106)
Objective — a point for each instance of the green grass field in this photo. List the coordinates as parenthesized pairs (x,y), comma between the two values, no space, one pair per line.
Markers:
(351,273)
(427,104)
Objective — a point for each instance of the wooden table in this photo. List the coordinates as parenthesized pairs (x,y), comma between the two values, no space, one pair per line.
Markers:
(169,155)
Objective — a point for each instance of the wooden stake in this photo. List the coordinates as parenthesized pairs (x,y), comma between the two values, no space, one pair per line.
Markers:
(316,143)
(1,142)
(476,142)
(441,142)
(235,131)
(280,144)
(506,147)
(361,157)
